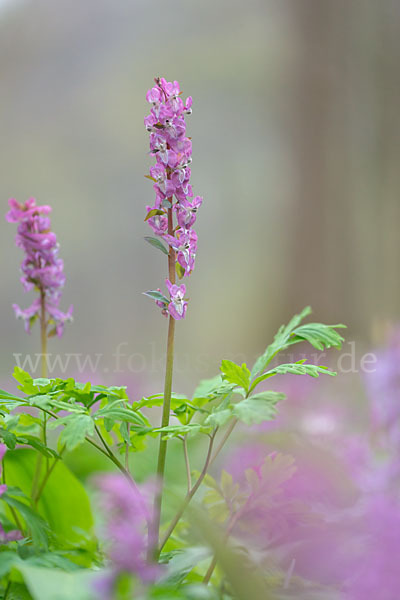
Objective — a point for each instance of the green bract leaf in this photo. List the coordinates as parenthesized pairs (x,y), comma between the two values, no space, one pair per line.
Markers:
(258,408)
(232,373)
(180,271)
(156,243)
(153,212)
(156,295)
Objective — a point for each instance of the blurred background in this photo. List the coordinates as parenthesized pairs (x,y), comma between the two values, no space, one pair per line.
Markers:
(296,141)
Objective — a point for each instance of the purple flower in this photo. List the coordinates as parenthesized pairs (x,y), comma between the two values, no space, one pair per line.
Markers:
(41,268)
(185,244)
(9,536)
(158,223)
(128,512)
(186,212)
(177,307)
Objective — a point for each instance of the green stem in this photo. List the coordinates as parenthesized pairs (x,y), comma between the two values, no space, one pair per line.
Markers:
(106,452)
(127,450)
(43,332)
(43,345)
(228,532)
(210,570)
(187,463)
(189,495)
(49,471)
(162,450)
(12,510)
(209,460)
(36,477)
(7,589)
(224,440)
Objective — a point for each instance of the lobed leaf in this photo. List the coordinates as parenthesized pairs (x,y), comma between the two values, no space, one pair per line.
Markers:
(233,373)
(298,368)
(258,408)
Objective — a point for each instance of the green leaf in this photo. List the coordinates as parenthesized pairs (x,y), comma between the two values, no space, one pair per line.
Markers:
(21,376)
(77,428)
(318,335)
(30,440)
(209,390)
(35,524)
(232,373)
(10,439)
(156,243)
(183,562)
(171,431)
(42,382)
(6,396)
(41,401)
(298,368)
(54,584)
(280,342)
(118,413)
(218,418)
(258,408)
(18,591)
(64,503)
(7,561)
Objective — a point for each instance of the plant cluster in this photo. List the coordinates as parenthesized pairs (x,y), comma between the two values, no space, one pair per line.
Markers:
(48,546)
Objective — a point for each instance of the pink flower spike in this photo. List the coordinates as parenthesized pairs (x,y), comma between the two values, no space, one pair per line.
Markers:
(42,269)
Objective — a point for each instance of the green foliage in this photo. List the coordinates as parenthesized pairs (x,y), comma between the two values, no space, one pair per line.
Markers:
(318,335)
(84,408)
(51,507)
(63,505)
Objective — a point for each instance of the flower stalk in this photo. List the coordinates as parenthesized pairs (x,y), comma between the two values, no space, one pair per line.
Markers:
(172,151)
